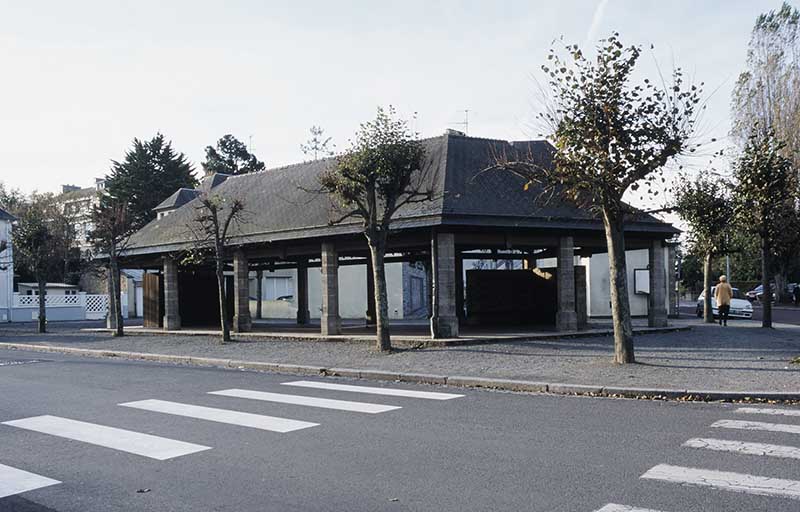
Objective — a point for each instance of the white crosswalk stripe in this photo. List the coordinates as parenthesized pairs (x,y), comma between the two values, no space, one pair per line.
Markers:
(324,403)
(147,445)
(774,412)
(613,507)
(243,419)
(757,425)
(15,481)
(723,480)
(722,445)
(429,395)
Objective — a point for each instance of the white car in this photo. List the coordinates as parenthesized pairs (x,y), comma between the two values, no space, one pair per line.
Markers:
(740,307)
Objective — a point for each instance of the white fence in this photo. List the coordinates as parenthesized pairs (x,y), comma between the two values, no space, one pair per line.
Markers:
(60,307)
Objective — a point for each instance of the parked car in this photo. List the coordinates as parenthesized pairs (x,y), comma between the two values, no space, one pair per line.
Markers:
(740,306)
(757,293)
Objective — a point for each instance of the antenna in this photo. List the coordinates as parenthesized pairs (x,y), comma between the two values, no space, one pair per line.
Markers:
(465,122)
(250,144)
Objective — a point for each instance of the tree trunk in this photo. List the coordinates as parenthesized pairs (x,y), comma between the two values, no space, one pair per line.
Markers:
(766,296)
(42,285)
(708,311)
(780,286)
(620,304)
(223,307)
(377,252)
(115,304)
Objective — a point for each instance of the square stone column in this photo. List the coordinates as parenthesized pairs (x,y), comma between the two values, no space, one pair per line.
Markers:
(172,316)
(303,315)
(566,317)
(331,322)
(580,296)
(259,293)
(444,321)
(672,281)
(370,316)
(241,293)
(657,298)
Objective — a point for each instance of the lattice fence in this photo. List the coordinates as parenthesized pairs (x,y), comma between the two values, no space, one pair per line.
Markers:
(51,301)
(96,307)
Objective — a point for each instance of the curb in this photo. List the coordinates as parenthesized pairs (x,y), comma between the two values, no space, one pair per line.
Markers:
(423,378)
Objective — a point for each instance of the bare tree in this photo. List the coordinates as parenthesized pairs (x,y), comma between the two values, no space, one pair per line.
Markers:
(216,218)
(376,177)
(610,137)
(318,145)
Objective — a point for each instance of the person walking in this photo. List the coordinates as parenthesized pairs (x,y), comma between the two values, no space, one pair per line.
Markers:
(723,293)
(796,295)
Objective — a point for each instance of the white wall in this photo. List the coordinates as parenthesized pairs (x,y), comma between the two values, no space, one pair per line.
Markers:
(7,275)
(598,283)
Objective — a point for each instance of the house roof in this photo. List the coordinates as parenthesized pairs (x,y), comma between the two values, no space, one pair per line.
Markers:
(80,193)
(286,203)
(178,199)
(50,285)
(4,215)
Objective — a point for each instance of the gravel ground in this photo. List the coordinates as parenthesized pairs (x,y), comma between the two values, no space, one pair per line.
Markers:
(741,357)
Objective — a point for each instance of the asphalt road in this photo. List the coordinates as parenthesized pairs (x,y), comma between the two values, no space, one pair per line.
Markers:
(483,451)
(785,314)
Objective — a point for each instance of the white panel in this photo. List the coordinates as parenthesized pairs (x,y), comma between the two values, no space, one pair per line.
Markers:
(723,445)
(429,395)
(15,481)
(724,480)
(324,403)
(773,412)
(757,425)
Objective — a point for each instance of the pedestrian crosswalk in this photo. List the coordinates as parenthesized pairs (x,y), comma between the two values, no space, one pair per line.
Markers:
(15,481)
(721,480)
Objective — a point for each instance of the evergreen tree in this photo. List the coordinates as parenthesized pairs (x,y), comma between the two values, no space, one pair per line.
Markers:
(150,172)
(231,157)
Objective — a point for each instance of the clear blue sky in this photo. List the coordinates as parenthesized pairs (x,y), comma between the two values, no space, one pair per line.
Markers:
(79,80)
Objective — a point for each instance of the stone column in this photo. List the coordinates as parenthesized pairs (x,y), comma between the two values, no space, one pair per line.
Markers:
(301,293)
(580,297)
(566,317)
(259,293)
(657,298)
(459,275)
(330,321)
(444,322)
(172,317)
(370,316)
(672,308)
(241,293)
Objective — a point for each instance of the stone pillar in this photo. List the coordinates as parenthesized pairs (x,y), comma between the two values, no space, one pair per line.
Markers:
(241,293)
(330,321)
(172,317)
(566,317)
(444,322)
(370,316)
(580,297)
(259,293)
(657,298)
(301,292)
(459,275)
(672,308)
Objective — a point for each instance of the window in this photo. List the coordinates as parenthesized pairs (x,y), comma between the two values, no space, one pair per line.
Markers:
(278,287)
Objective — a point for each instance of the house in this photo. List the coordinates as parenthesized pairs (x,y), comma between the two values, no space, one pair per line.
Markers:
(473,215)
(6,266)
(78,204)
(50,289)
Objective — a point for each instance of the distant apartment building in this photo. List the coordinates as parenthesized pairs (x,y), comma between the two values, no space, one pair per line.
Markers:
(78,204)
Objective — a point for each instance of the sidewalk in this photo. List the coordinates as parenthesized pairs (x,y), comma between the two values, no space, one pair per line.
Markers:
(707,359)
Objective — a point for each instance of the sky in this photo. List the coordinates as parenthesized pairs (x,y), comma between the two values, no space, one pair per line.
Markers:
(80,80)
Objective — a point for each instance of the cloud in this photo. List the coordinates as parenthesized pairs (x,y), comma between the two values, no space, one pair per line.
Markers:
(597,19)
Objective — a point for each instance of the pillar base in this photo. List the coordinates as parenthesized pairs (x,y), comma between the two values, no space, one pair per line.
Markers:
(172,323)
(242,323)
(657,318)
(331,326)
(567,321)
(303,317)
(444,327)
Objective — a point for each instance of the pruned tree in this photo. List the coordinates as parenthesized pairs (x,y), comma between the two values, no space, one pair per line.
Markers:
(150,172)
(705,204)
(215,220)
(318,145)
(378,175)
(113,228)
(41,238)
(765,197)
(610,137)
(231,156)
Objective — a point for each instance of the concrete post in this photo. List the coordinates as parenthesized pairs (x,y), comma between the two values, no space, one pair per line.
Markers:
(566,317)
(444,322)
(580,297)
(330,321)
(672,308)
(172,317)
(459,275)
(657,298)
(371,316)
(259,293)
(301,293)
(241,293)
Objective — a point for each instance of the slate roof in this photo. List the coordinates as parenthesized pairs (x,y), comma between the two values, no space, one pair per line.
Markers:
(284,203)
(4,215)
(178,199)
